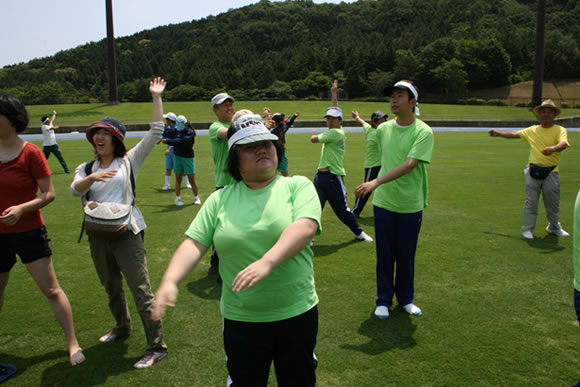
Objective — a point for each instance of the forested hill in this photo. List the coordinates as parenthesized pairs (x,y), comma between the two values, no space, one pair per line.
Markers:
(293,49)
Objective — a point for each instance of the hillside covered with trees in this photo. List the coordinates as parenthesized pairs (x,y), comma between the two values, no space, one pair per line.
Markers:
(292,49)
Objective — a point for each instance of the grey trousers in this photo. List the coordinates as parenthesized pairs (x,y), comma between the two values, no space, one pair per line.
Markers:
(127,257)
(550,189)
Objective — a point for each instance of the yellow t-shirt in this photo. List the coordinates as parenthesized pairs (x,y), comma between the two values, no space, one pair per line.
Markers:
(540,138)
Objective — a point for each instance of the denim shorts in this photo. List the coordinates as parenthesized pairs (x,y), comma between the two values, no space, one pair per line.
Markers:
(28,245)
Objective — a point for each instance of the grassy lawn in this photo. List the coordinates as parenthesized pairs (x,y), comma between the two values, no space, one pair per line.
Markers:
(131,113)
(497,310)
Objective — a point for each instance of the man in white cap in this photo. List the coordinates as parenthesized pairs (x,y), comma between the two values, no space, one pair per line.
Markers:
(328,180)
(406,145)
(222,105)
(546,142)
(50,146)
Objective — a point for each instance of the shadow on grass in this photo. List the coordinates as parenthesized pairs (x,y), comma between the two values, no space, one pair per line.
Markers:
(206,288)
(549,242)
(102,362)
(166,208)
(366,221)
(385,335)
(324,250)
(22,363)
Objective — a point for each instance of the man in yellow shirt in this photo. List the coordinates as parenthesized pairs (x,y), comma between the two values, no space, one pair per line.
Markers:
(546,142)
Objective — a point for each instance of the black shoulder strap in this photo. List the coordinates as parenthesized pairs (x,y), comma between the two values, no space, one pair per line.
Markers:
(88,171)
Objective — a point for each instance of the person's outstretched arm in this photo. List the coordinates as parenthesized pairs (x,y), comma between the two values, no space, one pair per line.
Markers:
(292,240)
(156,87)
(334,93)
(498,133)
(185,258)
(357,117)
(52,118)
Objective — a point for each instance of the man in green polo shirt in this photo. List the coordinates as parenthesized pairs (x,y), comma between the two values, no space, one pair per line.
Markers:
(222,105)
(328,179)
(406,145)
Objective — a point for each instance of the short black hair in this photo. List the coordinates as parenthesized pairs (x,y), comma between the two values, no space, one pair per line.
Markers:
(234,161)
(14,111)
(44,118)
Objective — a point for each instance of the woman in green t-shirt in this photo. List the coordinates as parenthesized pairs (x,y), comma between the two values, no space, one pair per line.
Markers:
(262,226)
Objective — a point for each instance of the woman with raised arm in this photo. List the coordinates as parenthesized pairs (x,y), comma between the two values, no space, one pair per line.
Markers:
(110,179)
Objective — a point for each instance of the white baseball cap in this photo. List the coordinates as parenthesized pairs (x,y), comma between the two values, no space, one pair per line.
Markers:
(248,129)
(334,111)
(170,116)
(220,98)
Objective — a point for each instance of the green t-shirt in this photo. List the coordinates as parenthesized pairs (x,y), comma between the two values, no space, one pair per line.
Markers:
(408,193)
(219,152)
(243,224)
(332,152)
(373,158)
(577,243)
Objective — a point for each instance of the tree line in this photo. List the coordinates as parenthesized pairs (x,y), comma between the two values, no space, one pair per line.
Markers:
(293,49)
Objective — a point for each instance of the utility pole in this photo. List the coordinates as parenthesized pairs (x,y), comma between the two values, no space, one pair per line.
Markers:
(112,60)
(539,63)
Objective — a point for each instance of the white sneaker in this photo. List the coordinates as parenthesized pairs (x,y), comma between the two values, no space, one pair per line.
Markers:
(527,235)
(150,359)
(412,309)
(166,187)
(382,311)
(178,201)
(559,232)
(188,186)
(363,237)
(196,200)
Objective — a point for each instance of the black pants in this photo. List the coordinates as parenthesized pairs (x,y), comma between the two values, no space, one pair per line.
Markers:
(48,149)
(370,174)
(251,348)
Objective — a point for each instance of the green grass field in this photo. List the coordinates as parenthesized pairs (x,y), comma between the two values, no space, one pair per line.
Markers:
(497,310)
(132,113)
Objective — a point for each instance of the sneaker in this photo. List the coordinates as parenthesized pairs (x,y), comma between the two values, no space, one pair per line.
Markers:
(188,186)
(150,359)
(166,187)
(363,237)
(412,310)
(179,202)
(527,235)
(196,200)
(559,232)
(109,337)
(382,311)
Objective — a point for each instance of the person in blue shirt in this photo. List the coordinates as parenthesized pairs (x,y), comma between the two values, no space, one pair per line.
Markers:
(184,162)
(170,131)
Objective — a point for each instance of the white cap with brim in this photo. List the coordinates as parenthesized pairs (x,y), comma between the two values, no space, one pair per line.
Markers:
(170,116)
(220,98)
(409,87)
(333,111)
(249,129)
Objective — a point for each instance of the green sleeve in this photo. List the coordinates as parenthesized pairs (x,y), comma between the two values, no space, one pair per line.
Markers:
(422,147)
(329,136)
(204,224)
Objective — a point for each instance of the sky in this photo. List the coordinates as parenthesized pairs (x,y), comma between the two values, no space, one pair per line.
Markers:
(38,28)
